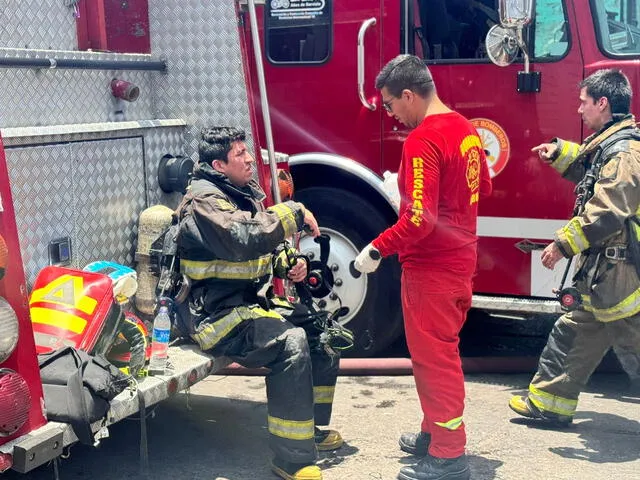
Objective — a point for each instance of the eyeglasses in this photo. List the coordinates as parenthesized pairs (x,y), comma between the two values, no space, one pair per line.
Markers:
(387,105)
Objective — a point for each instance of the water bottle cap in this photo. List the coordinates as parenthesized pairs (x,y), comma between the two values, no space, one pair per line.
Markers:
(164,302)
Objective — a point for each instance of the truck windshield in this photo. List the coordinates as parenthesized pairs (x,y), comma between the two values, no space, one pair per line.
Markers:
(617,25)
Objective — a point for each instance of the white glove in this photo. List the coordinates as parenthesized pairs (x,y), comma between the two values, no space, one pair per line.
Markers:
(368,259)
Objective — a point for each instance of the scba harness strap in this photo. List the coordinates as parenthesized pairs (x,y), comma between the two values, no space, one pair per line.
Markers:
(569,298)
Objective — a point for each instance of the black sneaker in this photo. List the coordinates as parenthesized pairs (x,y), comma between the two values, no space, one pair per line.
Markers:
(433,468)
(415,443)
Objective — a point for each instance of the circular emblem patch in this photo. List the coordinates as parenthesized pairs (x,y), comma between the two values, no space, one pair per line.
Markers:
(495,142)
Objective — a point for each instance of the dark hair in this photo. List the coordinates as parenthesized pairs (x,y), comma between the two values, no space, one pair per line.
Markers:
(406,72)
(612,84)
(216,143)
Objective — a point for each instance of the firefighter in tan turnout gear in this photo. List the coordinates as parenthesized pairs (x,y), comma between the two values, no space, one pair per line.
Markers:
(604,234)
(229,246)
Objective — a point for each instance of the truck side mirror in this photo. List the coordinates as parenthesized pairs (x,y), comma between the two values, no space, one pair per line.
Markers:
(515,13)
(503,42)
(502,45)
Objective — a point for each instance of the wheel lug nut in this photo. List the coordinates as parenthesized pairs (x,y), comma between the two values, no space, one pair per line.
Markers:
(333,297)
(322,303)
(338,282)
(335,267)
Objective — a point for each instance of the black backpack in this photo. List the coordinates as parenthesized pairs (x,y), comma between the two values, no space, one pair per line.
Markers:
(78,388)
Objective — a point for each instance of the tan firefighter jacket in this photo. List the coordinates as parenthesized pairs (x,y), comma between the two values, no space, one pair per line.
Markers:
(226,241)
(605,275)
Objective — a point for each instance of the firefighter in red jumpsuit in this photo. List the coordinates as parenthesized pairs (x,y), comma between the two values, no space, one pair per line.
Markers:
(442,176)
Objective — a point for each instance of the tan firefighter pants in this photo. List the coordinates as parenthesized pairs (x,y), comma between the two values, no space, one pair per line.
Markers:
(575,347)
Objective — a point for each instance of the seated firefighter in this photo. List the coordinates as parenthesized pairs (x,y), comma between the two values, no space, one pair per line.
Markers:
(229,246)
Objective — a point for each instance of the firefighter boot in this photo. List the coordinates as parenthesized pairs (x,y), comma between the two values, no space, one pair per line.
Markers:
(327,440)
(415,443)
(434,468)
(523,406)
(295,471)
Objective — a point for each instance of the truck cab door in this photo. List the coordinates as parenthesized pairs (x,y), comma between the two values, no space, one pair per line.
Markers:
(312,70)
(529,199)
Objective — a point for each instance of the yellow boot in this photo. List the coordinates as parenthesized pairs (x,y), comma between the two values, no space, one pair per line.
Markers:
(310,472)
(523,406)
(327,440)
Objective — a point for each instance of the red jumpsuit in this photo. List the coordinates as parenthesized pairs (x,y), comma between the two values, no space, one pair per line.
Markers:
(442,175)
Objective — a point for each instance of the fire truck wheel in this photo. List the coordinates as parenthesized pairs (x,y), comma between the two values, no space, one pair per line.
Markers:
(375,312)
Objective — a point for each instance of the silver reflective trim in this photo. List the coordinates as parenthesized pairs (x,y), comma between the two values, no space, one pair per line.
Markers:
(346,165)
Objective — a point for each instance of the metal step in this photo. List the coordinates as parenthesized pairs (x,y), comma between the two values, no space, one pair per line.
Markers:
(516,304)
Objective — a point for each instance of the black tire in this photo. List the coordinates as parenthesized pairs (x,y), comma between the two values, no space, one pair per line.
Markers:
(379,321)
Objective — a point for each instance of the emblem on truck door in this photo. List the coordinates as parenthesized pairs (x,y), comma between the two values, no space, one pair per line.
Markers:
(495,142)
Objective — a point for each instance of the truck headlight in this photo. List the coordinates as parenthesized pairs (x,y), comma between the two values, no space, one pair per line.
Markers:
(9,329)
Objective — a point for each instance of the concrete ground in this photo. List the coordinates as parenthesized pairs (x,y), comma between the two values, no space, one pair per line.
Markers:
(220,434)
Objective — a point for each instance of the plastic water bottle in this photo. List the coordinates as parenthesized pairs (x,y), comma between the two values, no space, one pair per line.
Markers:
(160,342)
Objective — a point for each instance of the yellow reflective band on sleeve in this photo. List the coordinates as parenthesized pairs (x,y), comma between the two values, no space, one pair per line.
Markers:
(628,307)
(210,334)
(287,216)
(249,270)
(291,429)
(552,403)
(323,394)
(575,236)
(452,424)
(566,156)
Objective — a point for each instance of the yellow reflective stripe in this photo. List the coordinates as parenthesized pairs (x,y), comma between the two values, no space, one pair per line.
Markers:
(552,403)
(626,308)
(280,302)
(225,205)
(55,318)
(249,270)
(209,334)
(323,394)
(291,429)
(566,156)
(452,424)
(287,217)
(575,236)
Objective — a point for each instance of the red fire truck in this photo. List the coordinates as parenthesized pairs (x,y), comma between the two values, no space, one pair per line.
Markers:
(321,58)
(80,164)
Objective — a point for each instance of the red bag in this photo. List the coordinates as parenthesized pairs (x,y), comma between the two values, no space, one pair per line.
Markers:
(73,308)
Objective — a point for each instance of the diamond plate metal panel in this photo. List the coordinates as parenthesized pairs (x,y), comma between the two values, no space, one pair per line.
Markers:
(38,24)
(204,83)
(42,186)
(157,143)
(109,196)
(51,97)
(92,192)
(204,86)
